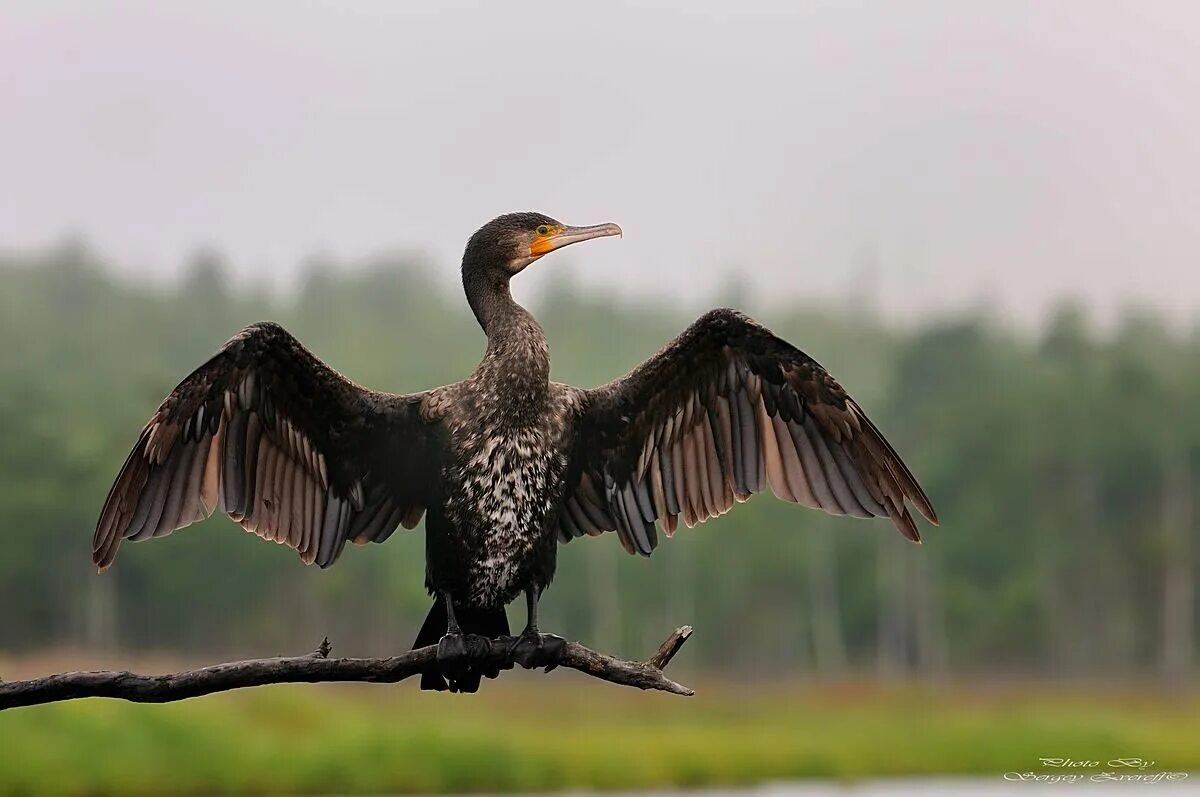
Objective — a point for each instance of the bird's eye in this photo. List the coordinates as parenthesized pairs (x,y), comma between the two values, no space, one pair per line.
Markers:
(543,230)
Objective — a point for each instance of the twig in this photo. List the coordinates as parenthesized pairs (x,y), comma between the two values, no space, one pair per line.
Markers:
(317,668)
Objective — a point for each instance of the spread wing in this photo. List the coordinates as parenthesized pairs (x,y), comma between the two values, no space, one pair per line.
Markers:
(723,411)
(287,447)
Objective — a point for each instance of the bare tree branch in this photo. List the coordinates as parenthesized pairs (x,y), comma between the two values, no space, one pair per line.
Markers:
(317,667)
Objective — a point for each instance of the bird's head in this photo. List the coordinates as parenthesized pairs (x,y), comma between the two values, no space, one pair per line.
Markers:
(513,241)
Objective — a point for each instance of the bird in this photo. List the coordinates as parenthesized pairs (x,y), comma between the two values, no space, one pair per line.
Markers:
(506,464)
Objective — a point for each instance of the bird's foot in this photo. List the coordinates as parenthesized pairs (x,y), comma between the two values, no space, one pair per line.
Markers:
(533,649)
(460,658)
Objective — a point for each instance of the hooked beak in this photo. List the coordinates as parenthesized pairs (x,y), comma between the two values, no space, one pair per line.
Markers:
(565,236)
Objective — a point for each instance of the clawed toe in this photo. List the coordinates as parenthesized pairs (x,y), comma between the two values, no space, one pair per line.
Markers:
(459,659)
(533,649)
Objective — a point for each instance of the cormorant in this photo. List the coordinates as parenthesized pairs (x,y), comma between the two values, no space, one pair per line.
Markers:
(505,464)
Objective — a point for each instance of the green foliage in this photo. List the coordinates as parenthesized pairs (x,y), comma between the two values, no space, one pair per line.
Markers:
(379,739)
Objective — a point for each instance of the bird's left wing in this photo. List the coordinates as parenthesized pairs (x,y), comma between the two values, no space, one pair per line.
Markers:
(723,411)
(290,449)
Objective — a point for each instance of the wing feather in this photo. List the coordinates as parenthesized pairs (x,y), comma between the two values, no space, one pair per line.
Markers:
(776,476)
(724,411)
(268,434)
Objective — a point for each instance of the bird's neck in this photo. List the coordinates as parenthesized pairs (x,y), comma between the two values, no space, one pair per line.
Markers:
(517,354)
(490,298)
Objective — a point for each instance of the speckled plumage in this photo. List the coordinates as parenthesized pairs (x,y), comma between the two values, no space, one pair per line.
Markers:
(507,435)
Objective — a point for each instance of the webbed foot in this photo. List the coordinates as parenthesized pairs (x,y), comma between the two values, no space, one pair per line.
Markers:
(533,649)
(460,659)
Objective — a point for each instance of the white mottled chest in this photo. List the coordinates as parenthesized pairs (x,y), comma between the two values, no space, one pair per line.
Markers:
(507,479)
(508,482)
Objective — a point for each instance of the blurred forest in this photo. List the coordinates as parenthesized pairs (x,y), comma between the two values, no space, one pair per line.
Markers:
(1063,463)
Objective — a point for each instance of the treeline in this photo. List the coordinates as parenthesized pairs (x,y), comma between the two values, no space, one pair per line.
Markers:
(1064,465)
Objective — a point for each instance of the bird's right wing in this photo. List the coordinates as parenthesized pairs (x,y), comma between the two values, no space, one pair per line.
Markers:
(290,449)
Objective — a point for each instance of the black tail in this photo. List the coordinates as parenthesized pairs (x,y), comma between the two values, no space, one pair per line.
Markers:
(489,623)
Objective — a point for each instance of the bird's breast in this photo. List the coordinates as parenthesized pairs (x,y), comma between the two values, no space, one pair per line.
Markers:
(507,480)
(503,484)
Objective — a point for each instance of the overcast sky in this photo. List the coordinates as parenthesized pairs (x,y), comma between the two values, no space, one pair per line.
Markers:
(1016,150)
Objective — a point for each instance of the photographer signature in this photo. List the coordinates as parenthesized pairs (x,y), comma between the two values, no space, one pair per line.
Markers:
(1127,770)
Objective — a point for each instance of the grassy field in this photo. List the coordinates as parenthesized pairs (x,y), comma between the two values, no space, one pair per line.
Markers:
(565,731)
